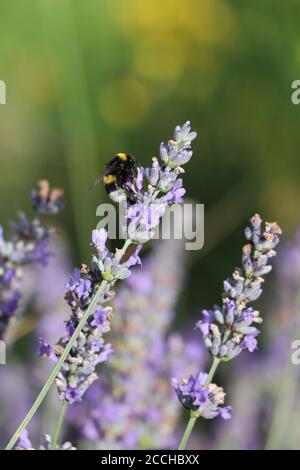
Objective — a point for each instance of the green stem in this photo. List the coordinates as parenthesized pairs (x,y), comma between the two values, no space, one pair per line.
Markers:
(193,418)
(212,370)
(187,432)
(59,424)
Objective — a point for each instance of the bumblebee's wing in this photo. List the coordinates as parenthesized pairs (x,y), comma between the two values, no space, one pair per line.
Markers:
(109,168)
(97,181)
(112,163)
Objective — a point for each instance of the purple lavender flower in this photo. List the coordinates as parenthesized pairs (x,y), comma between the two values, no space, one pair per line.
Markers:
(30,241)
(176,193)
(126,409)
(229,329)
(159,186)
(42,290)
(265,395)
(47,200)
(27,244)
(72,394)
(177,152)
(99,319)
(79,370)
(46,350)
(250,341)
(99,238)
(203,400)
(24,443)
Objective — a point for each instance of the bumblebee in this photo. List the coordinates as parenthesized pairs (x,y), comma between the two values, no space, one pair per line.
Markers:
(117,177)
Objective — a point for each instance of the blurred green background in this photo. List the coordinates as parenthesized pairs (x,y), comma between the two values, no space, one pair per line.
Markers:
(86,79)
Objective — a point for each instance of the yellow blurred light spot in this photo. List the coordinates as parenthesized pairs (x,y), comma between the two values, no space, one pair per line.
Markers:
(171,38)
(206,21)
(124,102)
(157,15)
(211,22)
(159,58)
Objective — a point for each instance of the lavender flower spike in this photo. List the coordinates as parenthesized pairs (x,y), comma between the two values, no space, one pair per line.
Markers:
(159,185)
(155,187)
(27,243)
(203,400)
(231,328)
(124,409)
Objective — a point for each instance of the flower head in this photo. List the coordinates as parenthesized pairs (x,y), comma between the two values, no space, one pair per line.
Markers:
(159,186)
(26,244)
(232,327)
(177,151)
(47,200)
(203,400)
(229,329)
(99,238)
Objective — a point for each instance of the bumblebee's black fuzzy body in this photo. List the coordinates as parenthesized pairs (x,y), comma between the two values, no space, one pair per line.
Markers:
(119,173)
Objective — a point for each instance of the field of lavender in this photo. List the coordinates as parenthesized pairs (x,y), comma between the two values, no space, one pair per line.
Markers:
(135,342)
